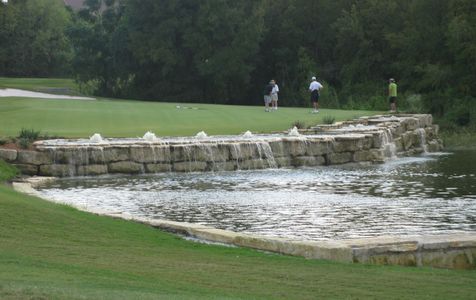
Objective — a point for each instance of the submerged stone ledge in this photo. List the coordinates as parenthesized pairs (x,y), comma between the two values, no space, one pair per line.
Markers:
(455,251)
(368,139)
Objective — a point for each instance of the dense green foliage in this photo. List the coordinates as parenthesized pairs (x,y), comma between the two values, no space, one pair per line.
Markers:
(50,251)
(221,51)
(33,39)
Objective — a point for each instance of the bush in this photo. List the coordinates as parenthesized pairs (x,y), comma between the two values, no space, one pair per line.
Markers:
(88,88)
(29,134)
(298,124)
(328,97)
(366,95)
(459,112)
(328,119)
(376,102)
(413,104)
(24,143)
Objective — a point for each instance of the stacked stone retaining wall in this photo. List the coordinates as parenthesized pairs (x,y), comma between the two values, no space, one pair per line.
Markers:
(369,139)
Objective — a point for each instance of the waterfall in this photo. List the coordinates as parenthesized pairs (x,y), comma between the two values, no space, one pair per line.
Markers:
(207,151)
(388,145)
(187,151)
(421,132)
(375,142)
(264,149)
(236,152)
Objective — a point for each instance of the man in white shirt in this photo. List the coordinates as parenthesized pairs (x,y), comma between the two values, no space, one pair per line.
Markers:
(274,95)
(314,88)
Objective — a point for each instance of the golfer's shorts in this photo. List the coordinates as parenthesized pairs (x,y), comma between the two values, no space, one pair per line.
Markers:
(315,96)
(267,99)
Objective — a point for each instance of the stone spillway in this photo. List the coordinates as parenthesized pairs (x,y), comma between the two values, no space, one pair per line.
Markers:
(368,139)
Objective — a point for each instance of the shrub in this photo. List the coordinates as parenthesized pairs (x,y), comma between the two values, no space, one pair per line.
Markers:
(298,124)
(328,119)
(328,96)
(89,87)
(24,143)
(29,134)
(413,103)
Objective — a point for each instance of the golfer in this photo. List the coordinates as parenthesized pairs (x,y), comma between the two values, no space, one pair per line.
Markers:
(314,88)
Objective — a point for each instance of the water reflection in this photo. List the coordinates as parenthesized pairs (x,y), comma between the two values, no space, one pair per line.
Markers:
(423,195)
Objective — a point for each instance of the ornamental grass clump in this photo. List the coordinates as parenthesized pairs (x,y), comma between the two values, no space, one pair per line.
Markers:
(328,119)
(27,136)
(298,124)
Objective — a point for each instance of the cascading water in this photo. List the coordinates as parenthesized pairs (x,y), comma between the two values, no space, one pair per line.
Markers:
(236,152)
(264,149)
(388,145)
(373,142)
(421,132)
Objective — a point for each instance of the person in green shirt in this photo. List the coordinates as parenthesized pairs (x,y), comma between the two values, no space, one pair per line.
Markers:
(392,95)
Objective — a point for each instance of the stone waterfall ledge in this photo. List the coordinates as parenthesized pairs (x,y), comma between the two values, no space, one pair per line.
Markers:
(368,139)
(455,251)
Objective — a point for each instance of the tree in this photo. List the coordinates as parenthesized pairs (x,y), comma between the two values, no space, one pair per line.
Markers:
(33,39)
(200,51)
(100,47)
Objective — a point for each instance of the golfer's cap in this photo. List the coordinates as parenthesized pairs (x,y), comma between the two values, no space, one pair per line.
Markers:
(392,80)
(313,78)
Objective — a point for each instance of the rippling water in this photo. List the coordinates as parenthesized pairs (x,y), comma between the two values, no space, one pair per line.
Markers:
(423,195)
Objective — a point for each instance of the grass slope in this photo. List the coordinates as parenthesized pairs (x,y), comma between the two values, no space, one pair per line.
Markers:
(7,171)
(56,252)
(122,118)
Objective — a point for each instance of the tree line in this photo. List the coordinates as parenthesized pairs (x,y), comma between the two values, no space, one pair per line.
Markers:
(222,51)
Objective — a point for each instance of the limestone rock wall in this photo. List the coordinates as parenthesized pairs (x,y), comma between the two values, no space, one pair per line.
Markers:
(369,139)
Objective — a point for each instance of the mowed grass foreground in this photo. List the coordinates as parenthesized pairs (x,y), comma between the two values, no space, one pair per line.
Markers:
(126,118)
(50,251)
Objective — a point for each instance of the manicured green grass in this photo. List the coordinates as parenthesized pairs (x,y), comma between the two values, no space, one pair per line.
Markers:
(50,251)
(7,171)
(56,252)
(122,118)
(61,85)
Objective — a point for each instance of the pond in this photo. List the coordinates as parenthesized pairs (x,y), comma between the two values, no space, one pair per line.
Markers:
(432,194)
